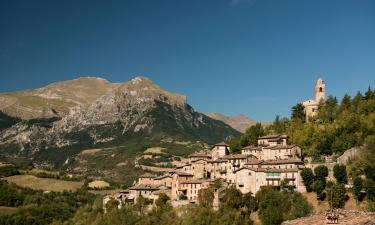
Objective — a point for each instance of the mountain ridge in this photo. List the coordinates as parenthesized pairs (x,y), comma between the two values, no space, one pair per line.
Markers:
(135,113)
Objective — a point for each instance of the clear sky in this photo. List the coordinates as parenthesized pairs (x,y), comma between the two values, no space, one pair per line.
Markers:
(256,57)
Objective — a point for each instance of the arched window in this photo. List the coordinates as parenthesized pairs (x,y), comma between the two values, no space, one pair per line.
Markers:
(320,89)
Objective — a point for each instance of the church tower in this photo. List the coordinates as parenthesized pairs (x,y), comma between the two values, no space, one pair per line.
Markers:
(320,90)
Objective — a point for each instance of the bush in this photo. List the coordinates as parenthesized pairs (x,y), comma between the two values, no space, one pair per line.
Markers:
(339,172)
(308,178)
(337,196)
(357,188)
(321,172)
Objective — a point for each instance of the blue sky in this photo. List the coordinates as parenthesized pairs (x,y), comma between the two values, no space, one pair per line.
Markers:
(256,57)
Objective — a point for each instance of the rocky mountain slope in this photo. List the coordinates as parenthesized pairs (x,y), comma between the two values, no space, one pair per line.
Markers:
(95,113)
(239,122)
(55,99)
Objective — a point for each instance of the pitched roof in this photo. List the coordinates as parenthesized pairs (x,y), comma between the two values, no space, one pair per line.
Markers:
(273,136)
(144,187)
(217,161)
(182,174)
(282,161)
(236,156)
(162,177)
(147,175)
(195,181)
(250,168)
(221,144)
(254,162)
(271,170)
(199,154)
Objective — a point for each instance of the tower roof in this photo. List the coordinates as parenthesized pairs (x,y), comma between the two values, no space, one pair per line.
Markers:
(320,81)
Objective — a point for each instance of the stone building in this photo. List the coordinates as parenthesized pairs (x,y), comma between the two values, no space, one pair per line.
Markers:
(311,105)
(269,163)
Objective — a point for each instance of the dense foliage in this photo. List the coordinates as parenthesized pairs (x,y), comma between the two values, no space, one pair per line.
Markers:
(336,128)
(37,207)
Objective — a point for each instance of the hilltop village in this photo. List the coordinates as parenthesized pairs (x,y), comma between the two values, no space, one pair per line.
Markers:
(271,162)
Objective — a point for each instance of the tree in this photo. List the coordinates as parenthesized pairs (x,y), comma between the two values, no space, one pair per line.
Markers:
(141,204)
(232,198)
(307,178)
(319,186)
(251,135)
(205,197)
(370,94)
(112,204)
(337,196)
(345,103)
(250,202)
(321,172)
(357,188)
(339,172)
(369,187)
(162,200)
(300,206)
(272,206)
(298,113)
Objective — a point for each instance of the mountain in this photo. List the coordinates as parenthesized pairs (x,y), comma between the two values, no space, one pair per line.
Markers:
(55,99)
(93,113)
(239,122)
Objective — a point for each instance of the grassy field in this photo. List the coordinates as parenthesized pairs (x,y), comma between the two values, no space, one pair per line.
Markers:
(45,184)
(5,210)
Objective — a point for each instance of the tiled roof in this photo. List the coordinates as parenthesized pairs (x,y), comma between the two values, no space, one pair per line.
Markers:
(282,161)
(147,175)
(218,161)
(271,170)
(162,177)
(195,181)
(254,162)
(236,156)
(198,154)
(273,136)
(144,187)
(221,144)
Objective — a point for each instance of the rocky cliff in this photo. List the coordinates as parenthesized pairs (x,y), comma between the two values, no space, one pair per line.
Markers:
(92,112)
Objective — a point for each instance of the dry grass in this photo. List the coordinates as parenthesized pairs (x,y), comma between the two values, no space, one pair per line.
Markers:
(319,206)
(5,210)
(153,150)
(45,184)
(98,184)
(91,151)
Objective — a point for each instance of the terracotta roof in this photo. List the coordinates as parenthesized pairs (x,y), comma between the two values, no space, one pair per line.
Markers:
(252,169)
(194,155)
(162,177)
(144,187)
(282,161)
(277,147)
(182,174)
(282,170)
(217,161)
(236,156)
(274,136)
(147,175)
(221,144)
(252,148)
(195,181)
(254,162)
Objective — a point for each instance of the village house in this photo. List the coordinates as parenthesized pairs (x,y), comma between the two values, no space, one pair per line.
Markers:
(270,163)
(311,105)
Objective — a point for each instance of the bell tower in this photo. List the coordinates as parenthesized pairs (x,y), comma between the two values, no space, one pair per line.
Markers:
(320,90)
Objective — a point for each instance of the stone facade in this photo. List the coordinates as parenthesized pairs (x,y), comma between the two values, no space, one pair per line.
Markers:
(311,105)
(269,163)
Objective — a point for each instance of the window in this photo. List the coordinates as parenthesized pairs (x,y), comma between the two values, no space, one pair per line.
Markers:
(249,173)
(320,89)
